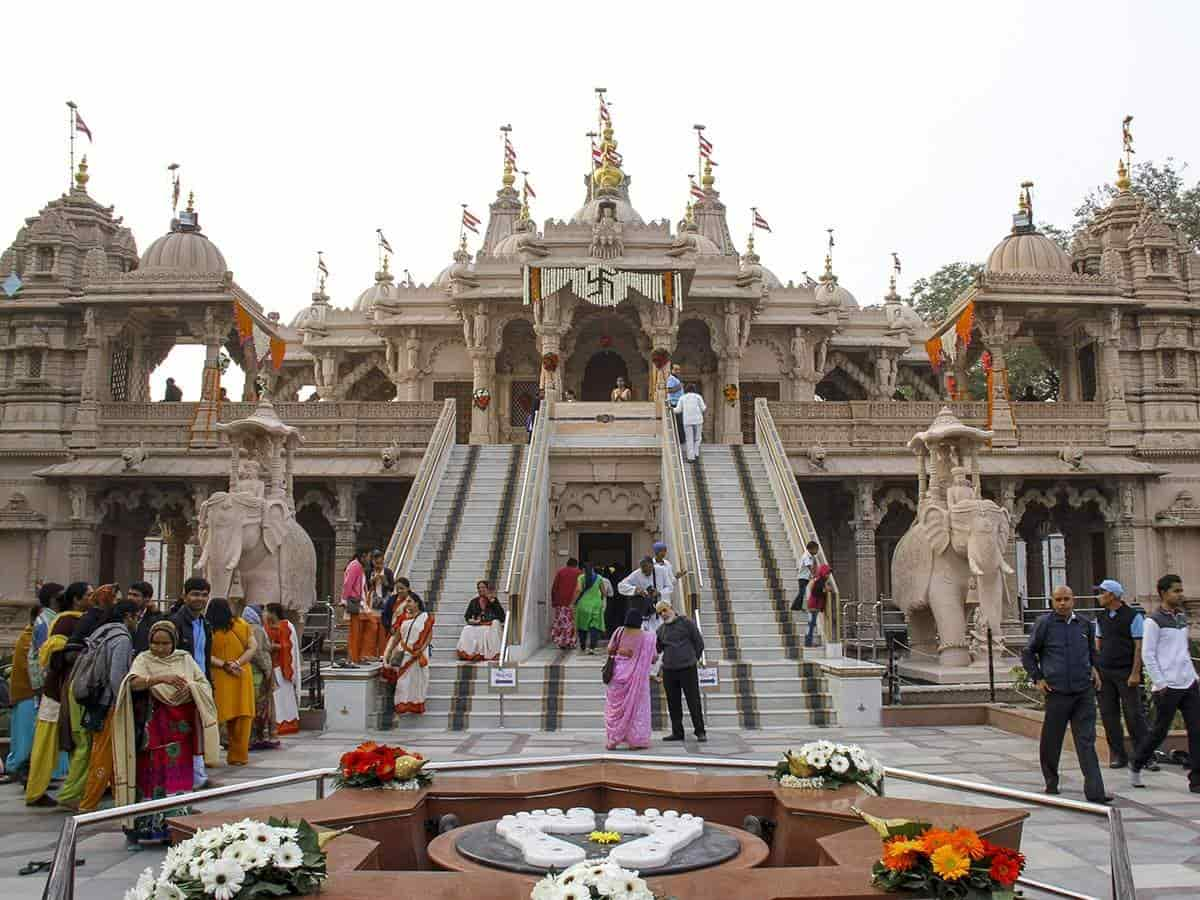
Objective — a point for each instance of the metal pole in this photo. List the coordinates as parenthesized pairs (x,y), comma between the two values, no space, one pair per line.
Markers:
(991,668)
(891,672)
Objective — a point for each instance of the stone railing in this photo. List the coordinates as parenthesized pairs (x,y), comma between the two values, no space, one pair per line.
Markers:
(891,423)
(333,424)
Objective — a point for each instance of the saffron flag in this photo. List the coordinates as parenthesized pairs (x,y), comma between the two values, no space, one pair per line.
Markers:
(81,126)
(605,115)
(510,152)
(695,190)
(245,324)
(470,220)
(529,191)
(759,221)
(705,146)
(278,348)
(965,323)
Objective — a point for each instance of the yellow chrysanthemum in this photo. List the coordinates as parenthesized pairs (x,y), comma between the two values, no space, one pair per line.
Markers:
(949,863)
(900,853)
(604,837)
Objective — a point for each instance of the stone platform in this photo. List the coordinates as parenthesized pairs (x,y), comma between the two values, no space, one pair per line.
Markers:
(929,672)
(819,848)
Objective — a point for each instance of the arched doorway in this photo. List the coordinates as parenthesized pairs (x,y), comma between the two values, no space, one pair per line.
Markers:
(600,376)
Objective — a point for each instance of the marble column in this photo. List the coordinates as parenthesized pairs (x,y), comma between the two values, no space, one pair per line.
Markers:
(864,524)
(84,533)
(1121,430)
(1119,535)
(997,332)
(483,376)
(1008,500)
(86,430)
(204,433)
(345,528)
(175,535)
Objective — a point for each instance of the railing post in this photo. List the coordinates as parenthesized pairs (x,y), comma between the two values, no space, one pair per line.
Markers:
(991,668)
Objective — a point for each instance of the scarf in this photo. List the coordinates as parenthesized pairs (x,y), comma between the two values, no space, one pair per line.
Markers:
(147,665)
(55,642)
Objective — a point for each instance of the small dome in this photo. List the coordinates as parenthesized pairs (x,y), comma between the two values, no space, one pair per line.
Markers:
(590,211)
(184,249)
(1028,251)
(382,291)
(830,293)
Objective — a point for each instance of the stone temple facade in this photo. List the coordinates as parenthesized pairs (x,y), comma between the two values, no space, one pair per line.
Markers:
(1103,480)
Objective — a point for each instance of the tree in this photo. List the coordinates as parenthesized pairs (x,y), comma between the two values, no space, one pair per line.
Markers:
(1163,186)
(932,296)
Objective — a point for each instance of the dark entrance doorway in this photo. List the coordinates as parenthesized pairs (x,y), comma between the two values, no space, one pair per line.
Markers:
(605,548)
(600,376)
(750,391)
(460,392)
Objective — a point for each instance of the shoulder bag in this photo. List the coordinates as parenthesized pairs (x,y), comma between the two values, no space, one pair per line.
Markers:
(606,674)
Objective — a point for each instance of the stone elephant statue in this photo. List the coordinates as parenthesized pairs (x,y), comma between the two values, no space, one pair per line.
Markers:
(261,540)
(937,562)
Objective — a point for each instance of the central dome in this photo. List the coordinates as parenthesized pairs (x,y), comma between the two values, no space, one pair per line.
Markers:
(184,249)
(1028,252)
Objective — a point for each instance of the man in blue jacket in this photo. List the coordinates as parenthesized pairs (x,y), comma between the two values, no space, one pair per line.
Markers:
(1059,659)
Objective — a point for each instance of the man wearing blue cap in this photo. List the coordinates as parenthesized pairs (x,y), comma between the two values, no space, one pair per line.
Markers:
(1119,659)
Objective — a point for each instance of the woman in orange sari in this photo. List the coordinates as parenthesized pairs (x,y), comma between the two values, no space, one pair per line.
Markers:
(406,658)
(233,647)
(285,655)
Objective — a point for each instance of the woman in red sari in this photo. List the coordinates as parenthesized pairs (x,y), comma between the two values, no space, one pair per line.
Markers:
(562,599)
(406,658)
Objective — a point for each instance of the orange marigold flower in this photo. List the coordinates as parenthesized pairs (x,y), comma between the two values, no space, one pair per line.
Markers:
(900,853)
(969,843)
(949,863)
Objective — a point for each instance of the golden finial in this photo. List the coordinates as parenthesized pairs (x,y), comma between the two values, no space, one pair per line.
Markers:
(81,176)
(191,201)
(1125,165)
(1123,182)
(689,215)
(385,264)
(1022,203)
(707,180)
(750,244)
(829,276)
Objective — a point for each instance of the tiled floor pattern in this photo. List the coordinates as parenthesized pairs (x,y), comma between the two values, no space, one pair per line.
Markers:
(1162,823)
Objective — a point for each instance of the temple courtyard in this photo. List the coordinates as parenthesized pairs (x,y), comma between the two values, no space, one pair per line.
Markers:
(1067,849)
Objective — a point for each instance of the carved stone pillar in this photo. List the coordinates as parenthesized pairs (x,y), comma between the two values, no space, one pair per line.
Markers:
(345,528)
(84,522)
(86,431)
(997,332)
(730,418)
(864,525)
(1120,538)
(1008,500)
(176,535)
(204,433)
(483,376)
(1121,430)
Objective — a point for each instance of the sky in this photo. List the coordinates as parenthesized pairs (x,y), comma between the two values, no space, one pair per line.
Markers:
(906,127)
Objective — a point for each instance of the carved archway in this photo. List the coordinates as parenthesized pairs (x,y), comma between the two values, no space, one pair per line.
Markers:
(604,329)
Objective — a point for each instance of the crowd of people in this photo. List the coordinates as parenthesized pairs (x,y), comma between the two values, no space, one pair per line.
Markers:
(1072,660)
(111,694)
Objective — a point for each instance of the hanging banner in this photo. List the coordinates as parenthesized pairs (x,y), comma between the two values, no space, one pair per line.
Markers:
(944,349)
(602,285)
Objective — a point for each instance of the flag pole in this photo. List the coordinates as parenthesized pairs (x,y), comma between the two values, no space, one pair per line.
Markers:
(699,155)
(71,140)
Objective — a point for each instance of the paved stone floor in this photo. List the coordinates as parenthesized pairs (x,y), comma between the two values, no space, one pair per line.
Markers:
(1069,849)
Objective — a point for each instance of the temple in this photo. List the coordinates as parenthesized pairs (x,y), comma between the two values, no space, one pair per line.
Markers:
(412,404)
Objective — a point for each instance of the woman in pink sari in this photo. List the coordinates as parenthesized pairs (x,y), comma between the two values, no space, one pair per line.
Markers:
(627,699)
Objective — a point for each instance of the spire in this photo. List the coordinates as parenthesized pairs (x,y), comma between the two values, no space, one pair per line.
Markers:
(461,256)
(319,296)
(708,182)
(828,277)
(505,211)
(710,213)
(891,296)
(1022,220)
(1125,165)
(750,257)
(608,177)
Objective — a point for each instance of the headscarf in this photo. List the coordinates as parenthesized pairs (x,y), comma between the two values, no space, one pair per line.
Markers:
(105,595)
(169,627)
(251,615)
(659,545)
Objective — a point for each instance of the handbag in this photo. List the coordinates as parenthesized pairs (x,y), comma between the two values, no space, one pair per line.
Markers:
(353,606)
(606,674)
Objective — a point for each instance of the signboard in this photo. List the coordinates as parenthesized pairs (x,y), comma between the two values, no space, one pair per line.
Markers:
(502,679)
(710,678)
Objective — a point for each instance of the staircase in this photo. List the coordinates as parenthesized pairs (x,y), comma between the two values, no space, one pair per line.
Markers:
(751,577)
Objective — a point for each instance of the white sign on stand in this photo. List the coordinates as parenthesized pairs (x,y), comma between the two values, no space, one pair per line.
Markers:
(710,678)
(502,679)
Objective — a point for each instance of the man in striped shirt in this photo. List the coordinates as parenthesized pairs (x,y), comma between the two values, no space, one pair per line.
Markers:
(1168,660)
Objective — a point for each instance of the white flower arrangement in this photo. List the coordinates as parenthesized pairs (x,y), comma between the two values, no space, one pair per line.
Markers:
(826,764)
(411,784)
(593,880)
(248,857)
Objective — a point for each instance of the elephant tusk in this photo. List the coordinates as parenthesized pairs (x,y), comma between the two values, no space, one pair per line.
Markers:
(1006,568)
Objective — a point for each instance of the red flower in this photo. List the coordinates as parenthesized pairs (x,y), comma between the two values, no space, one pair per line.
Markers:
(1005,869)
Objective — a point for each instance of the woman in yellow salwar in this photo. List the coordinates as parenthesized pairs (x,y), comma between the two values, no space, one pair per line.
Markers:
(233,646)
(53,707)
(165,715)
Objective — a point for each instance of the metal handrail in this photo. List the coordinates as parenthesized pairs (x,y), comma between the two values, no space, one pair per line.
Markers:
(523,535)
(794,511)
(675,490)
(60,884)
(421,494)
(685,491)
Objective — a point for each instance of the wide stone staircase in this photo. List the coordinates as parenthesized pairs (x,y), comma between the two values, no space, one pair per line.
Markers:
(750,579)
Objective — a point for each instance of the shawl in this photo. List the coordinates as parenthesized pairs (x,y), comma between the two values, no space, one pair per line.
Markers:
(147,665)
(56,642)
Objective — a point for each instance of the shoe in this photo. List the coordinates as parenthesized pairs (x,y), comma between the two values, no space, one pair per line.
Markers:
(1051,789)
(1118,764)
(702,737)
(673,737)
(1151,766)
(1135,778)
(43,800)
(1106,799)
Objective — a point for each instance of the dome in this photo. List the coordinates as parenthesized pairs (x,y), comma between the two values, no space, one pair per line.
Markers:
(382,291)
(590,211)
(830,293)
(184,249)
(1028,251)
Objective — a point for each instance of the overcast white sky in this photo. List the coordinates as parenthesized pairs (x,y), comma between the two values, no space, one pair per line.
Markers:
(304,127)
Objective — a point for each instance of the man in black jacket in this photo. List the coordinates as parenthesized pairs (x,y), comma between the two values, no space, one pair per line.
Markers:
(681,646)
(195,636)
(1059,659)
(142,593)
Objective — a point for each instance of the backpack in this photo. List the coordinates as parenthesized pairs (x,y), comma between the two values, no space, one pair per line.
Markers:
(87,681)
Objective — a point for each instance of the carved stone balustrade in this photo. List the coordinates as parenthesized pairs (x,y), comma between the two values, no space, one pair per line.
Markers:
(889,423)
(323,424)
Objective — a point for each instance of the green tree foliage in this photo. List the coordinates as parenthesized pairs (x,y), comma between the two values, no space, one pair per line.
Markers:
(1164,186)
(932,296)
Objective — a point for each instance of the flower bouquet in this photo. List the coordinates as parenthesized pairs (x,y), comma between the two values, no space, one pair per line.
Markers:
(243,859)
(731,394)
(372,765)
(949,865)
(824,764)
(482,398)
(660,357)
(592,880)
(550,362)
